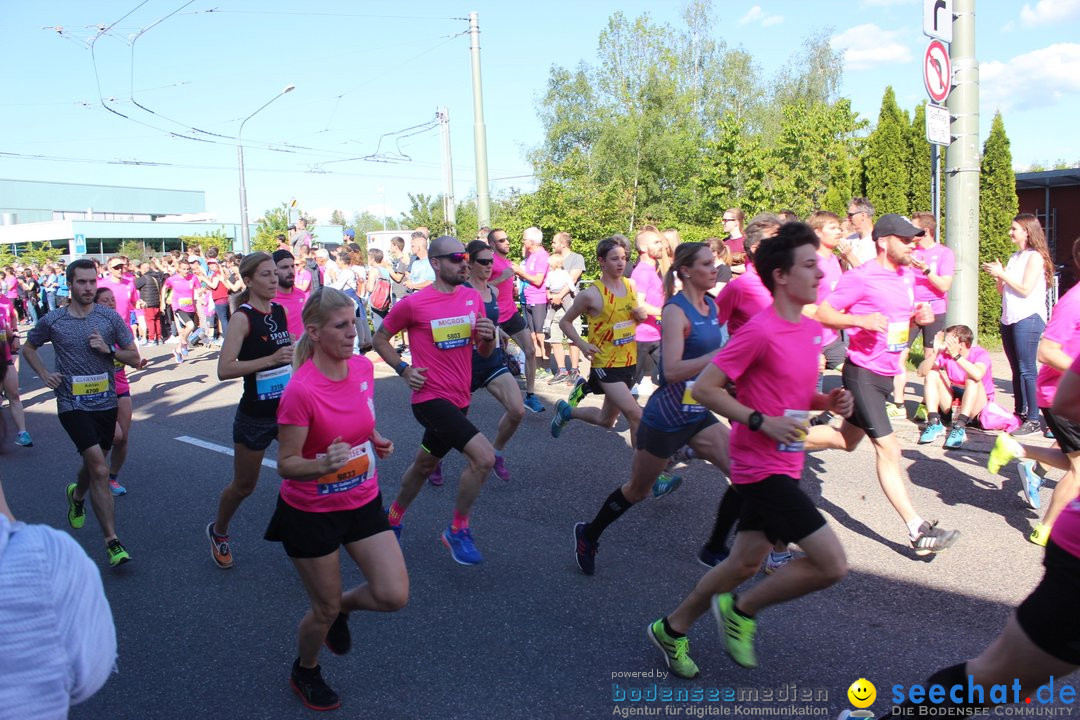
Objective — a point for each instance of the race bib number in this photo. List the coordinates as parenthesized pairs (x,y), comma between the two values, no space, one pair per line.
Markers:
(360,466)
(803,416)
(689,404)
(86,386)
(623,332)
(896,336)
(269,384)
(453,332)
(187,304)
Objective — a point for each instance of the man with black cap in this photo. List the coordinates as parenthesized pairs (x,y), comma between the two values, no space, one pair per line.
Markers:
(876,303)
(289,296)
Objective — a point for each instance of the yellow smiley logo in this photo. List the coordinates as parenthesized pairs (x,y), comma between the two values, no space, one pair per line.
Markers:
(862,693)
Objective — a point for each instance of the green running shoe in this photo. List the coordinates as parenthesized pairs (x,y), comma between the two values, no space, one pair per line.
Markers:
(920,413)
(117,554)
(738,631)
(578,392)
(676,650)
(665,484)
(1005,449)
(76,508)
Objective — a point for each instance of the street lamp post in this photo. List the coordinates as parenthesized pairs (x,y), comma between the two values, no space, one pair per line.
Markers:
(245,235)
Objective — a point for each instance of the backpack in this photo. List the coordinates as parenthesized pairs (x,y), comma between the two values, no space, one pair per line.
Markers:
(380,294)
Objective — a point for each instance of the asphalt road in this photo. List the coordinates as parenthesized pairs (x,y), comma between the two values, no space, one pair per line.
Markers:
(525,635)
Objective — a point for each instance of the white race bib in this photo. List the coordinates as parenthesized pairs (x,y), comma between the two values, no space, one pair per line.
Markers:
(269,384)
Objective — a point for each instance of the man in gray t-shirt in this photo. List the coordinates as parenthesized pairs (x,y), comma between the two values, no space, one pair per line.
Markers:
(88,340)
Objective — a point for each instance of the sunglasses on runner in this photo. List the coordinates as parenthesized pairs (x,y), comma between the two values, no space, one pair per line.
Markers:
(484,261)
(458,257)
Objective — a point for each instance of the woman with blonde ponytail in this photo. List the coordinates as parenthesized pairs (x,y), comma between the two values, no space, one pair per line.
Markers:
(257,348)
(329,494)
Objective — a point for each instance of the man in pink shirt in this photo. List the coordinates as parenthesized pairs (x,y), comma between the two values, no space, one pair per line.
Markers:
(289,296)
(773,362)
(122,288)
(181,287)
(534,272)
(444,320)
(955,370)
(746,296)
(876,302)
(510,320)
(650,296)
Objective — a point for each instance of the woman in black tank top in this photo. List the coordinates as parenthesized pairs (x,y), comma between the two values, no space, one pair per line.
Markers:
(258,349)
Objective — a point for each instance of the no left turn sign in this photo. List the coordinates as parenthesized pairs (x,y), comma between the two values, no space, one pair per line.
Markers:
(937,71)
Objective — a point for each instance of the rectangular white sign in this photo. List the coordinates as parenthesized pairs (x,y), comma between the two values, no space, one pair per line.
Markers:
(937,19)
(938,125)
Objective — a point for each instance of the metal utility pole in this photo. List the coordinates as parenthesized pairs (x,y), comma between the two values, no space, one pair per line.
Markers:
(962,169)
(483,199)
(449,204)
(245,233)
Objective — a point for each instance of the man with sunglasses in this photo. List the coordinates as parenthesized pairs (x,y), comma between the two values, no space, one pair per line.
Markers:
(733,219)
(860,247)
(876,303)
(510,319)
(444,321)
(123,288)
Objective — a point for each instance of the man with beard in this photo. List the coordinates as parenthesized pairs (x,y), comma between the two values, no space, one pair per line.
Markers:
(444,320)
(289,296)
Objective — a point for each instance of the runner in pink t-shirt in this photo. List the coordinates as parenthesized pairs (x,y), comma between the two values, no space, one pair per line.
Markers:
(876,302)
(533,273)
(289,296)
(511,322)
(444,321)
(650,296)
(9,349)
(773,361)
(742,299)
(956,370)
(123,289)
(329,496)
(182,285)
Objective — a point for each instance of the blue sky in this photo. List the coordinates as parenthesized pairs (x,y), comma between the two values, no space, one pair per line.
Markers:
(367,69)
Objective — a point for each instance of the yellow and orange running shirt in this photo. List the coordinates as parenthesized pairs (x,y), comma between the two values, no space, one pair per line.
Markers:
(613,329)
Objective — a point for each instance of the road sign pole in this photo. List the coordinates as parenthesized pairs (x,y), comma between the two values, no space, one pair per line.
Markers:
(962,171)
(935,186)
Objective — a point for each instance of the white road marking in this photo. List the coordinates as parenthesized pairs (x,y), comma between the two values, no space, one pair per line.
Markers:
(220,449)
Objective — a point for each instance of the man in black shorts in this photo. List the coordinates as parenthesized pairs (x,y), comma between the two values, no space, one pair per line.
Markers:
(84,336)
(510,320)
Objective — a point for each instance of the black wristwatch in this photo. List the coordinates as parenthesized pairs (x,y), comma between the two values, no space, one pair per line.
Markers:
(755,420)
(401,367)
(927,272)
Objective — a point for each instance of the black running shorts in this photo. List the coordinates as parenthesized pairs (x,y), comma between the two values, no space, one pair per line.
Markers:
(927,331)
(1066,432)
(183,317)
(254,433)
(835,353)
(513,324)
(664,444)
(1048,616)
(445,426)
(598,377)
(536,317)
(870,392)
(778,507)
(316,534)
(88,428)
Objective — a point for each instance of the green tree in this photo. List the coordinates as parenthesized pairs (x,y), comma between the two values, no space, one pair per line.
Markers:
(998,205)
(919,165)
(427,211)
(338,218)
(886,174)
(274,222)
(210,238)
(40,254)
(133,250)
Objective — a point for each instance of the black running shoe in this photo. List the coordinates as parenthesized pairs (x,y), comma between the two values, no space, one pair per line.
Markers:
(312,689)
(584,550)
(338,638)
(933,539)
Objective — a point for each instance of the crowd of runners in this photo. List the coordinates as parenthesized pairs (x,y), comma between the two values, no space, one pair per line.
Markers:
(745,352)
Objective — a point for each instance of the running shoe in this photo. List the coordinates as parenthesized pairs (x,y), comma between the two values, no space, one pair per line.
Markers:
(1048,434)
(76,508)
(23,439)
(711,559)
(562,417)
(177,355)
(676,650)
(1040,534)
(956,439)
(895,411)
(395,528)
(665,484)
(308,683)
(116,552)
(737,630)
(635,391)
(584,550)
(500,468)
(775,561)
(116,488)
(1029,481)
(572,377)
(185,350)
(461,547)
(533,404)
(1005,450)
(436,478)
(920,413)
(683,455)
(578,392)
(1028,428)
(220,550)
(338,638)
(931,433)
(932,539)
(560,377)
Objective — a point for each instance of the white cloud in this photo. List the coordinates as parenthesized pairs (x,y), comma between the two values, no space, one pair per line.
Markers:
(1047,12)
(1036,79)
(866,46)
(757,15)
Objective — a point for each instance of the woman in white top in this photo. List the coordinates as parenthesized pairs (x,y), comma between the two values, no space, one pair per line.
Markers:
(1022,283)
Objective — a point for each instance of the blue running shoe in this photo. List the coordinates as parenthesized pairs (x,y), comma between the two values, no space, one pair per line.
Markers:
(931,433)
(1029,481)
(23,439)
(116,488)
(956,438)
(461,547)
(665,484)
(562,417)
(533,404)
(710,559)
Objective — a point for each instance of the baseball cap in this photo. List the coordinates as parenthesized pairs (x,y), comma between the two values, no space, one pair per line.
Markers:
(898,225)
(349,232)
